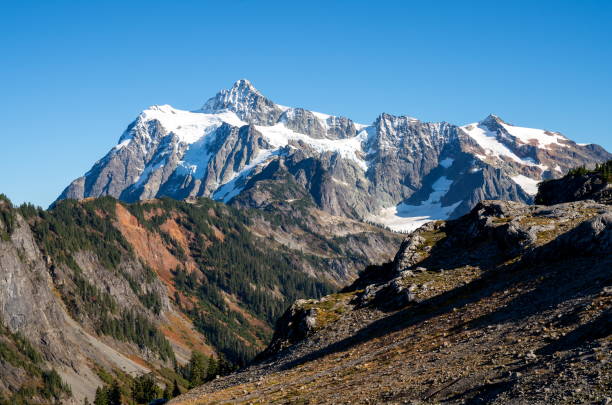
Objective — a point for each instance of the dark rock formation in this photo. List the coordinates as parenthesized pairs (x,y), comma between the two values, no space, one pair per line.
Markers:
(588,186)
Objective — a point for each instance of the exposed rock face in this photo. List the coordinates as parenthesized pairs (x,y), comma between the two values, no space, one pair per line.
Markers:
(29,305)
(591,186)
(508,304)
(398,171)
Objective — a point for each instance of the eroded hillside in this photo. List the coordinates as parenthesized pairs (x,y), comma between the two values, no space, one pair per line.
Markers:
(105,291)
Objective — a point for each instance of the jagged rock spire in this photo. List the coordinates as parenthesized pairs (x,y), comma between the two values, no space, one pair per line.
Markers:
(247,102)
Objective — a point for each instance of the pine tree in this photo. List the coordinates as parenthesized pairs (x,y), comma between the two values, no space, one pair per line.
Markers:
(213,369)
(101,397)
(197,368)
(176,391)
(114,394)
(144,389)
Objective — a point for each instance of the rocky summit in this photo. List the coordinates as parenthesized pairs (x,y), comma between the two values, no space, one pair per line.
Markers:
(243,148)
(509,304)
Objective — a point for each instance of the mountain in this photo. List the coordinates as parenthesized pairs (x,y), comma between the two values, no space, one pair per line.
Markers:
(509,304)
(242,148)
(98,290)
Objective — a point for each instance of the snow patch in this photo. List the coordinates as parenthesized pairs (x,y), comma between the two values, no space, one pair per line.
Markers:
(529,185)
(123,144)
(234,186)
(407,218)
(146,173)
(446,163)
(321,116)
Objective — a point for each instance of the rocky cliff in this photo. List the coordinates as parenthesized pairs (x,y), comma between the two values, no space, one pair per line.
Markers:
(508,304)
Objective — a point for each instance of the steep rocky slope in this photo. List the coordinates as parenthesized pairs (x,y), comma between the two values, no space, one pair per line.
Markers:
(508,304)
(99,290)
(397,171)
(579,184)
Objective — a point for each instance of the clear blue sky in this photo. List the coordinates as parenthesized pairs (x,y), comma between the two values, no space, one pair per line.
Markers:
(74,74)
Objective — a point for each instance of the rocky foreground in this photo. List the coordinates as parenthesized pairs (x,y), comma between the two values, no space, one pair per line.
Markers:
(508,304)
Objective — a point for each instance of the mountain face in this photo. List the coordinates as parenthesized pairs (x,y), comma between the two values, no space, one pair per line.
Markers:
(242,148)
(509,304)
(99,290)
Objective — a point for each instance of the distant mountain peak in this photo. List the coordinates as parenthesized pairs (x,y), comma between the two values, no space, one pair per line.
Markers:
(246,102)
(240,94)
(491,119)
(243,83)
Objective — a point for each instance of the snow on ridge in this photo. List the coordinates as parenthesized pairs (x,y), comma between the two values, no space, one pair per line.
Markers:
(280,136)
(189,126)
(231,188)
(197,129)
(488,141)
(321,116)
(527,135)
(407,218)
(123,143)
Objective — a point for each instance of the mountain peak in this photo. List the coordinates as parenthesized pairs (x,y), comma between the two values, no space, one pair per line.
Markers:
(242,87)
(491,121)
(491,118)
(244,83)
(246,102)
(236,98)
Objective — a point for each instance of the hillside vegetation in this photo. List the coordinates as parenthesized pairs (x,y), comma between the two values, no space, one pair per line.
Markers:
(162,281)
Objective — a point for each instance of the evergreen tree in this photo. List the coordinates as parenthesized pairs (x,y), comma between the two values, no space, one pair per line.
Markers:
(213,369)
(101,397)
(114,394)
(176,391)
(144,389)
(198,366)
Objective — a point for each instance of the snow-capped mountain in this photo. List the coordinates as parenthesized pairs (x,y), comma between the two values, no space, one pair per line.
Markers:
(241,147)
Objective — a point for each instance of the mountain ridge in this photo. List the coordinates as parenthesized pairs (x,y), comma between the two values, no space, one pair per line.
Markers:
(374,172)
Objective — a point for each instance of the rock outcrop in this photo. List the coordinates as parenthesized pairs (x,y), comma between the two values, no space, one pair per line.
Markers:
(577,185)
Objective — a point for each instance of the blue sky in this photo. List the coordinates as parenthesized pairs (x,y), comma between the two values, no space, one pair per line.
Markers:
(74,74)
